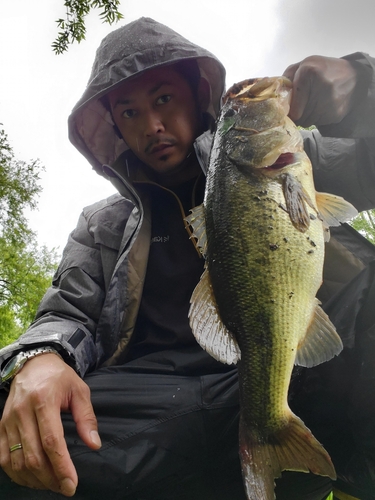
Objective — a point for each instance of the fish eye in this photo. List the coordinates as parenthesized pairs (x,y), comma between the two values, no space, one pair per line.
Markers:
(228,114)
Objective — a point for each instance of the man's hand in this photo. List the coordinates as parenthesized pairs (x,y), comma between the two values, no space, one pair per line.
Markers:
(39,392)
(323,90)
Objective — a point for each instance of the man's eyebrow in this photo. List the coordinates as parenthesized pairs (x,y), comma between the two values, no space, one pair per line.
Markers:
(158,86)
(121,101)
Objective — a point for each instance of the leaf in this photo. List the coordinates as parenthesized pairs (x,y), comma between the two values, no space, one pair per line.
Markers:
(364,223)
(73,26)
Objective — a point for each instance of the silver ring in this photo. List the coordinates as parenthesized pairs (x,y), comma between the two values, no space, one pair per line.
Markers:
(15,447)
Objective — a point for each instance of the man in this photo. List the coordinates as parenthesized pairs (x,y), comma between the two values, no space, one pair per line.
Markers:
(116,314)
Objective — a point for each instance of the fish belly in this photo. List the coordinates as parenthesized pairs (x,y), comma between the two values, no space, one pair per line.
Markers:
(265,275)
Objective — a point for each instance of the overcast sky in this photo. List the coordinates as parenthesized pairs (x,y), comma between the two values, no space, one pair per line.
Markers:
(38,89)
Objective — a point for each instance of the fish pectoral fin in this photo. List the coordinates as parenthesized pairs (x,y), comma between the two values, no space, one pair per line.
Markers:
(334,210)
(208,329)
(321,342)
(197,222)
(296,201)
(293,447)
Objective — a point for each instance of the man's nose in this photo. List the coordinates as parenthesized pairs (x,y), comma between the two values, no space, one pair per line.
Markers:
(153,124)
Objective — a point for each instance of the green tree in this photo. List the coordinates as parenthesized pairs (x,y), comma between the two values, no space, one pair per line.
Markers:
(25,269)
(364,223)
(73,28)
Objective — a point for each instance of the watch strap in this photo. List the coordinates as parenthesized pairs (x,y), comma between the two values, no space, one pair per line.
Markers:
(32,353)
(26,355)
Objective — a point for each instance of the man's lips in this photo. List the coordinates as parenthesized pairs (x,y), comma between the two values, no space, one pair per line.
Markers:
(159,145)
(159,148)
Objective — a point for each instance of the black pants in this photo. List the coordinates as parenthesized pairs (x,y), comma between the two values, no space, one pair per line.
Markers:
(165,437)
(173,437)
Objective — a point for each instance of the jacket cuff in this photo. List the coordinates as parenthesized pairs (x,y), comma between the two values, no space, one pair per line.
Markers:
(75,347)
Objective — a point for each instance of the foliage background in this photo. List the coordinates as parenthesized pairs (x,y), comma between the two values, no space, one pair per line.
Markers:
(364,223)
(26,269)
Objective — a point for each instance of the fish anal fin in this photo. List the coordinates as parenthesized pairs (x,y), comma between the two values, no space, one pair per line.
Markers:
(293,447)
(197,221)
(208,329)
(321,342)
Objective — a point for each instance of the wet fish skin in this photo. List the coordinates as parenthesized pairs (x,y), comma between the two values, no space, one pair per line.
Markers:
(264,247)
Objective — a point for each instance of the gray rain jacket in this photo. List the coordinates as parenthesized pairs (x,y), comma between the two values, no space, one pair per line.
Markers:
(90,310)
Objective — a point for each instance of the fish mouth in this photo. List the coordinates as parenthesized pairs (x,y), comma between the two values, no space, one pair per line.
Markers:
(282,161)
(259,88)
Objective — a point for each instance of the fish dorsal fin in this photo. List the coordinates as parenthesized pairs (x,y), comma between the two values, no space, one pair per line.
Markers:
(333,210)
(321,342)
(197,222)
(208,329)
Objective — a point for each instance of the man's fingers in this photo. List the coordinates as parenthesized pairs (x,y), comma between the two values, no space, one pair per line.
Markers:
(14,459)
(84,417)
(301,95)
(54,449)
(32,415)
(299,103)
(323,90)
(13,462)
(32,464)
(291,71)
(19,473)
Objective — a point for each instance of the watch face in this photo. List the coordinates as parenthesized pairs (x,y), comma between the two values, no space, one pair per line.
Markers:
(12,367)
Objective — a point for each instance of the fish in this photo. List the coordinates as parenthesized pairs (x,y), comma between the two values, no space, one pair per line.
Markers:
(262,229)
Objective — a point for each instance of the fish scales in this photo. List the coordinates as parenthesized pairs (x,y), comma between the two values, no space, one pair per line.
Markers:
(262,229)
(265,300)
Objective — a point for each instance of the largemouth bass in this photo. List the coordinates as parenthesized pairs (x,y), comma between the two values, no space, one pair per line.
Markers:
(262,228)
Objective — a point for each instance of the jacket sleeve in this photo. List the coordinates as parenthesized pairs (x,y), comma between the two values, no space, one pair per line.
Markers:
(67,315)
(343,154)
(345,167)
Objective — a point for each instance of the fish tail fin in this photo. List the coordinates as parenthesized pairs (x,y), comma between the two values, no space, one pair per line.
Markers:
(291,448)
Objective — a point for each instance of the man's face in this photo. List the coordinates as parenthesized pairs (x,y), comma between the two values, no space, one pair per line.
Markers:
(158,117)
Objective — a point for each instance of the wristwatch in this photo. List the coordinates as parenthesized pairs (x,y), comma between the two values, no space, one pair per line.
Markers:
(15,364)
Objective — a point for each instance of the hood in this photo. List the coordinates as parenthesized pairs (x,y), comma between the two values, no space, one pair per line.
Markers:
(125,53)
